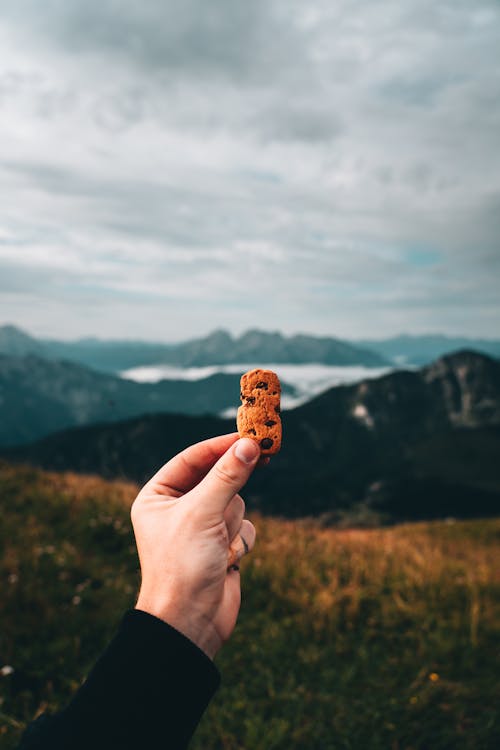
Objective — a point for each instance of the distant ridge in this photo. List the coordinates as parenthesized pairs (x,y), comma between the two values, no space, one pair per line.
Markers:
(423,349)
(218,348)
(409,445)
(260,346)
(253,346)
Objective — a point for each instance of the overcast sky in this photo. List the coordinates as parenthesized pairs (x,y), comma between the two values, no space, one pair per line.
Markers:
(329,167)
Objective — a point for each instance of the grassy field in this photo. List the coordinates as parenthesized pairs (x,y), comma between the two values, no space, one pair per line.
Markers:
(385,639)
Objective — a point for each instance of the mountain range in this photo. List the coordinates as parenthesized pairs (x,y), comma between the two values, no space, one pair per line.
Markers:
(409,445)
(218,348)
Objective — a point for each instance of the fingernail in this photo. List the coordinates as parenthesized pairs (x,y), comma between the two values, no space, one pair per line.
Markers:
(246,450)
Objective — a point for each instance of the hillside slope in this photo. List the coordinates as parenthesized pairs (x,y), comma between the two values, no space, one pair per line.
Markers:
(409,445)
(40,396)
(367,639)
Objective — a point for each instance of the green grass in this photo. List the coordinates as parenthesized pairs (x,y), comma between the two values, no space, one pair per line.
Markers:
(385,639)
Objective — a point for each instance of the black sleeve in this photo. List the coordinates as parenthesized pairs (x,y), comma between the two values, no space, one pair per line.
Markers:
(149,689)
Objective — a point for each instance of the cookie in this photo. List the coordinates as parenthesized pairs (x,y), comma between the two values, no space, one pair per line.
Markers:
(259,414)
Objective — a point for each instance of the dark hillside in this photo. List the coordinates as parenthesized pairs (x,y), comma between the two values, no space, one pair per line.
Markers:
(409,445)
(130,450)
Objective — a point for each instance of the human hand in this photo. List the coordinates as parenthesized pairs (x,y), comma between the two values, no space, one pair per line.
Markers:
(185,519)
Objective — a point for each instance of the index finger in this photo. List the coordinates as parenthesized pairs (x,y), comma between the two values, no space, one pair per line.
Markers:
(185,470)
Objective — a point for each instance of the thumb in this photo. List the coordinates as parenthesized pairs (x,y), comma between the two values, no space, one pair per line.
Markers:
(226,478)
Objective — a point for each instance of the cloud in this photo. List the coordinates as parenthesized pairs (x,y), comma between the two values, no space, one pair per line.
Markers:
(324,167)
(238,41)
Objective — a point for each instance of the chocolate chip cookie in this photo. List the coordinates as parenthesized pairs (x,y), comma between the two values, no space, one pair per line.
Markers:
(259,414)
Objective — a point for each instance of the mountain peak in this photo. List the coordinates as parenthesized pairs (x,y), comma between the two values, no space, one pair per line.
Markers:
(257,335)
(468,383)
(461,361)
(220,335)
(16,342)
(9,329)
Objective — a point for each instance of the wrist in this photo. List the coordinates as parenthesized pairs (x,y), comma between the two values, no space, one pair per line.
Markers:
(200,630)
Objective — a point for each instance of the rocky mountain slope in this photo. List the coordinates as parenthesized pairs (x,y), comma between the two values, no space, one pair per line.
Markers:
(421,444)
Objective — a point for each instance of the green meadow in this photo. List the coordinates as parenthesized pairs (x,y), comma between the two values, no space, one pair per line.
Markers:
(352,639)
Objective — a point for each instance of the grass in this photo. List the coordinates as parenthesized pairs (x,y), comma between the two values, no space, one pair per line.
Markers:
(383,639)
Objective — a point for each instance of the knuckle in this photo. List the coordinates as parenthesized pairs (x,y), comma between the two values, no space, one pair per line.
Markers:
(222,536)
(249,532)
(226,475)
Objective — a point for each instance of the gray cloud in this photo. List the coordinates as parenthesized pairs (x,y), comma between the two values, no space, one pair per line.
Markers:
(229,39)
(332,167)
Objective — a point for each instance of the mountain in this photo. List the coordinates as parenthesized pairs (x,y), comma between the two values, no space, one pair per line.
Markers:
(218,348)
(259,346)
(409,445)
(107,356)
(17,343)
(254,346)
(421,350)
(40,396)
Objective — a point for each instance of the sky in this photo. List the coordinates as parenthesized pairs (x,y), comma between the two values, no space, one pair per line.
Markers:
(329,167)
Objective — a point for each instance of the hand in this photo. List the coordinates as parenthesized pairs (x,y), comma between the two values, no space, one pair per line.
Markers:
(184,520)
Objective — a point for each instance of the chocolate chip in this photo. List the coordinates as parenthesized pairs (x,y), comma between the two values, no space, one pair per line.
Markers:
(277,409)
(269,422)
(262,384)
(251,432)
(250,399)
(266,443)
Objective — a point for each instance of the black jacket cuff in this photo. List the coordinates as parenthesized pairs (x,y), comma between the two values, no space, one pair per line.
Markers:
(149,689)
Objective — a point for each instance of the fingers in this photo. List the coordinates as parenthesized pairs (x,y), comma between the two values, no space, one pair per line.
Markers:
(242,544)
(212,495)
(184,471)
(233,516)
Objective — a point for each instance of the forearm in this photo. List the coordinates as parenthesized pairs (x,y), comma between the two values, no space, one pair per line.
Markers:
(149,689)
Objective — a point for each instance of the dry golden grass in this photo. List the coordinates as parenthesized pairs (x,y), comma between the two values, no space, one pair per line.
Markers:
(384,638)
(327,567)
